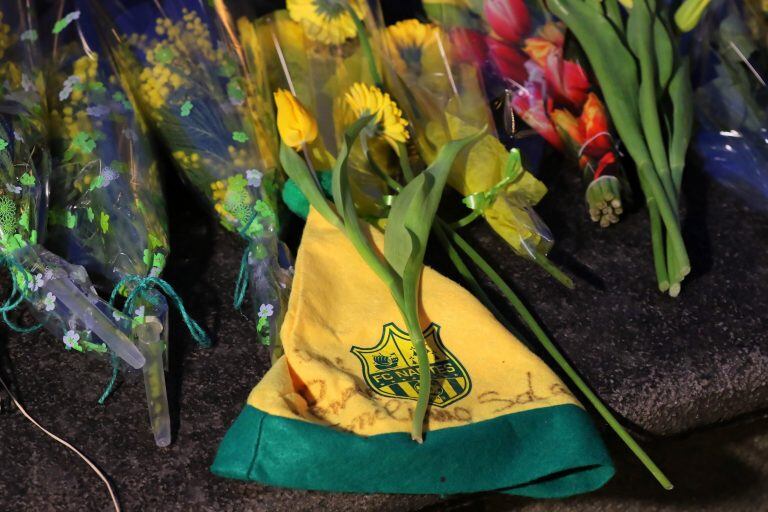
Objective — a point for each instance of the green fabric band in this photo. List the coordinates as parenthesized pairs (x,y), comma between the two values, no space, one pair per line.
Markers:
(544,453)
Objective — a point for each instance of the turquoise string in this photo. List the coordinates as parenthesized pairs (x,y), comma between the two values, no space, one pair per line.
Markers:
(16,296)
(241,285)
(112,381)
(143,284)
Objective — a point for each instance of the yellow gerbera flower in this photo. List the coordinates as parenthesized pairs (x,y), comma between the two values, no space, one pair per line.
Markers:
(388,118)
(325,21)
(407,41)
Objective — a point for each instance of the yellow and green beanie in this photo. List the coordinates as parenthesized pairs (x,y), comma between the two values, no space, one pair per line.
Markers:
(334,412)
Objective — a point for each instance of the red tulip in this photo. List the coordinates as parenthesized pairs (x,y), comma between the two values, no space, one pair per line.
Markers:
(469,45)
(567,79)
(509,19)
(509,61)
(528,103)
(569,125)
(552,32)
(604,164)
(594,122)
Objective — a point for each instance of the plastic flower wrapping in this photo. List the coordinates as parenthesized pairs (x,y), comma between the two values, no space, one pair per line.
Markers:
(107,210)
(444,97)
(522,52)
(730,51)
(60,294)
(215,118)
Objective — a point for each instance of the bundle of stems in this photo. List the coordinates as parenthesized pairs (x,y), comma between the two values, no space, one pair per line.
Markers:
(647,89)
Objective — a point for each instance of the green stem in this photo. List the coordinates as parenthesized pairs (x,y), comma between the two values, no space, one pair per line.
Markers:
(545,263)
(425,379)
(468,219)
(552,350)
(652,188)
(657,243)
(365,45)
(405,164)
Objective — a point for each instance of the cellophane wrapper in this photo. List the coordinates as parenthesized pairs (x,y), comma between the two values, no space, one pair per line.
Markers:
(730,55)
(216,120)
(444,98)
(60,294)
(107,210)
(528,65)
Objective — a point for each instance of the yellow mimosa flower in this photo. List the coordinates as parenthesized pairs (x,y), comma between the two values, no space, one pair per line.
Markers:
(325,21)
(294,122)
(407,40)
(388,118)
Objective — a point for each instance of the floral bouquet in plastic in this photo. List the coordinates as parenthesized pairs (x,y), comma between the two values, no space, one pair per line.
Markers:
(730,67)
(107,208)
(61,295)
(445,99)
(218,126)
(522,53)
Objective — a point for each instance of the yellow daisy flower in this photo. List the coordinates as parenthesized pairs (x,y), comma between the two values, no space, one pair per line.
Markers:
(407,41)
(325,21)
(388,118)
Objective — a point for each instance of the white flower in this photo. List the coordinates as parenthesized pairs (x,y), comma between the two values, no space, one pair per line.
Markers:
(48,274)
(13,189)
(49,302)
(266,310)
(154,272)
(254,177)
(71,338)
(97,111)
(139,313)
(37,282)
(17,136)
(108,175)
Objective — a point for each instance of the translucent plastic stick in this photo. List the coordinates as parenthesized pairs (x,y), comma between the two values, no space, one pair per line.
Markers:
(95,320)
(152,338)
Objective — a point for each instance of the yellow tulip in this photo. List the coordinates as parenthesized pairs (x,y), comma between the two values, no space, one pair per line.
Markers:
(689,14)
(294,122)
(627,3)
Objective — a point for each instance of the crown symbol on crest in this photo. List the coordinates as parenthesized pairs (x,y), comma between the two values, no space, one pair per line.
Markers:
(385,362)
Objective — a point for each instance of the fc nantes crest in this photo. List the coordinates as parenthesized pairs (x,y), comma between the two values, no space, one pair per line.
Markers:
(391,367)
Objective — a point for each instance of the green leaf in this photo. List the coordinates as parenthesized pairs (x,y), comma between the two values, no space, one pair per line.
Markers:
(65,21)
(345,204)
(413,210)
(296,169)
(104,222)
(665,53)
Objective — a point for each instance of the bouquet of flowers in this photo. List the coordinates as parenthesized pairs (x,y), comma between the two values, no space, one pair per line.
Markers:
(218,126)
(444,97)
(522,54)
(332,96)
(61,295)
(730,65)
(107,208)
(646,86)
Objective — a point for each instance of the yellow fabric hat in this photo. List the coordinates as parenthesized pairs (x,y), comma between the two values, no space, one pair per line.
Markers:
(334,412)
